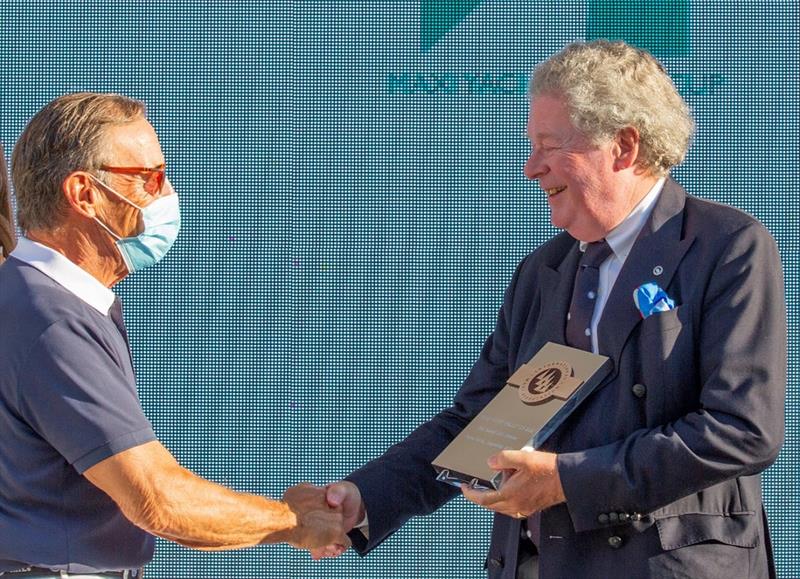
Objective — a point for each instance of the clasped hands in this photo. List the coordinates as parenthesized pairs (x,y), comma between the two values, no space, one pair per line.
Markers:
(530,484)
(324,517)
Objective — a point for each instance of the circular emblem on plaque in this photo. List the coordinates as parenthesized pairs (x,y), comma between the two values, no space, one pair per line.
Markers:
(544,380)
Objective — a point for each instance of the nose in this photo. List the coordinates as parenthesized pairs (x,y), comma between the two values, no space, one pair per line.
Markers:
(534,167)
(167,188)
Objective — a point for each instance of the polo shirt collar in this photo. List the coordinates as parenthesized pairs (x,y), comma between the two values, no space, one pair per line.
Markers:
(67,274)
(623,236)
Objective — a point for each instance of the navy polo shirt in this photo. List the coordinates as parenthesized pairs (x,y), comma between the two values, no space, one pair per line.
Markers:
(67,401)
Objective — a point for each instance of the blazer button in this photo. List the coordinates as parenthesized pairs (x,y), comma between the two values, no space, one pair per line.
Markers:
(624,517)
(639,390)
(613,518)
(602,518)
(615,542)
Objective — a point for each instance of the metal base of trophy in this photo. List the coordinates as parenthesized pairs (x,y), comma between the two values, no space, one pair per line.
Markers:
(456,479)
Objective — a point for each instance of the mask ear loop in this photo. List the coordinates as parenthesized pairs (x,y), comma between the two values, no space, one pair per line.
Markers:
(104,226)
(116,237)
(115,192)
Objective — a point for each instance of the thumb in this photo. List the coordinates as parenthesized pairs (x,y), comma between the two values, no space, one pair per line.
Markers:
(336,494)
(506,459)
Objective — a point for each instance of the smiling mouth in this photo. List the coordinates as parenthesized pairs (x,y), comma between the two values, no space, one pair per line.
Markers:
(553,191)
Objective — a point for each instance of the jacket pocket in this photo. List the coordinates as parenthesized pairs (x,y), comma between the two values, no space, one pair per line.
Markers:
(664,321)
(738,530)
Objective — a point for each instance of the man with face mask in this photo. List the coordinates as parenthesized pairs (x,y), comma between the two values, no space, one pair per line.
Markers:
(84,484)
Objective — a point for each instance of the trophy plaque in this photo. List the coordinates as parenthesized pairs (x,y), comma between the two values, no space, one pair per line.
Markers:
(536,399)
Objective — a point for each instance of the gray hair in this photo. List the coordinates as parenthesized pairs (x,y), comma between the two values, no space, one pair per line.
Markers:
(67,135)
(608,86)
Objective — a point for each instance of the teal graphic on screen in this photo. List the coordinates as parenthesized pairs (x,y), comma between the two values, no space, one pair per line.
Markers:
(353,206)
(659,26)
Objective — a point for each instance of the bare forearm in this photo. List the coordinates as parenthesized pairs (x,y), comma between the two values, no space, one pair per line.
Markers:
(163,498)
(203,515)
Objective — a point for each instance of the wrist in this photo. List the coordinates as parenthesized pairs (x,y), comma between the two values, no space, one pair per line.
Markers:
(288,525)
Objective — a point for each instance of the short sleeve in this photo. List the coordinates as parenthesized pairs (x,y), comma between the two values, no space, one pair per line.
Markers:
(79,394)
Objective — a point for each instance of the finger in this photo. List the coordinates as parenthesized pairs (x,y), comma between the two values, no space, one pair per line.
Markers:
(336,494)
(344,544)
(507,474)
(327,552)
(481,498)
(509,509)
(507,459)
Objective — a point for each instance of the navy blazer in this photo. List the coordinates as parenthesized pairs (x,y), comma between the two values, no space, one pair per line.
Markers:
(660,465)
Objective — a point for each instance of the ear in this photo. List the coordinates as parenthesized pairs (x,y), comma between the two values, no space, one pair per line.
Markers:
(80,193)
(626,148)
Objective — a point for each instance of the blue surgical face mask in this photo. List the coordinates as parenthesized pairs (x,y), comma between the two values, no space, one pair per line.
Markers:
(162,222)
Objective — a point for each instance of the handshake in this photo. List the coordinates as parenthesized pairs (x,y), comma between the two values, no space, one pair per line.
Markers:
(324,517)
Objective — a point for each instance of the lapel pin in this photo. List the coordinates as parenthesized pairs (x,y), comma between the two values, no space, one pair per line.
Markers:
(658,270)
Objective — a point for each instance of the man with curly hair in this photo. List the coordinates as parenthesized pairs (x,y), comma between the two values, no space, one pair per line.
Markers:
(656,474)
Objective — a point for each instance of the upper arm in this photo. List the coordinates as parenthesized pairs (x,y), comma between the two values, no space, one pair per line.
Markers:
(77,395)
(743,345)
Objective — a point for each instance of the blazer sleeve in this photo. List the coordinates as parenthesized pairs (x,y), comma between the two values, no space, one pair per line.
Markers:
(738,427)
(402,483)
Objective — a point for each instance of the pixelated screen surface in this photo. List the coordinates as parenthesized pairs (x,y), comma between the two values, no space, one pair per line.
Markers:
(353,206)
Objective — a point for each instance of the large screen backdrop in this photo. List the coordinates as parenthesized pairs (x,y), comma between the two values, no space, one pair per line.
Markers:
(353,205)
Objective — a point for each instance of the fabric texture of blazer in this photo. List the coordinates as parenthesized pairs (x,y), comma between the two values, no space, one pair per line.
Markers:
(660,465)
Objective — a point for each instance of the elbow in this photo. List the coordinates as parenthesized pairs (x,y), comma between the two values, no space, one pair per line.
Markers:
(150,512)
(152,509)
(763,450)
(772,450)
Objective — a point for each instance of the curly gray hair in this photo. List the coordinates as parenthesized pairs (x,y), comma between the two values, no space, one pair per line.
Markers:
(608,86)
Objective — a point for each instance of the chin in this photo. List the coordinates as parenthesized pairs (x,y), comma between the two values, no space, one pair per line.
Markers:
(558,222)
(578,232)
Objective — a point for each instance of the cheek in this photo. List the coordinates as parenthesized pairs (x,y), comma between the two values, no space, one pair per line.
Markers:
(138,222)
(131,221)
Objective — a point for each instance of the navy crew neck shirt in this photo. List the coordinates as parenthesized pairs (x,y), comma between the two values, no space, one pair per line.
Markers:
(68,401)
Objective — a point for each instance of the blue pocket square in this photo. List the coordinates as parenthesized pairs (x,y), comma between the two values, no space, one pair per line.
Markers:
(650,299)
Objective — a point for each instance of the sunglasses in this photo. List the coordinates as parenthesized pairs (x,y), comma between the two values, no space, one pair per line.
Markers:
(153,177)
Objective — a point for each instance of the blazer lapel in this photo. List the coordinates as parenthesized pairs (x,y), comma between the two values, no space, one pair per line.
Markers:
(557,283)
(548,315)
(654,257)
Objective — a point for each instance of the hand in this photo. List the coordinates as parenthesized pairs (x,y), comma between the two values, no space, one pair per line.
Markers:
(530,484)
(318,523)
(344,495)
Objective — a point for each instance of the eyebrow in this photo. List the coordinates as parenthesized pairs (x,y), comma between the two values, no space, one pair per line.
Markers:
(541,136)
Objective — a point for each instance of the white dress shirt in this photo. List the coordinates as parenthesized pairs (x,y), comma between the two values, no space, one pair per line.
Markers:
(620,240)
(67,274)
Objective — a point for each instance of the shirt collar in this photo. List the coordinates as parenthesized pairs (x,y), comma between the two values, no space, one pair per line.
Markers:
(623,236)
(67,274)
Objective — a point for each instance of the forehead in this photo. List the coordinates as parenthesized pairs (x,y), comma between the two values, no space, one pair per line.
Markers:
(134,144)
(548,116)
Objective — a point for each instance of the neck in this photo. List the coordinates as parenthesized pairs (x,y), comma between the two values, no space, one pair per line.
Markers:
(93,250)
(637,190)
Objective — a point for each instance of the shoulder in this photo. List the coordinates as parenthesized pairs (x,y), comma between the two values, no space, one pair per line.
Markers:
(717,221)
(25,288)
(31,303)
(548,255)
